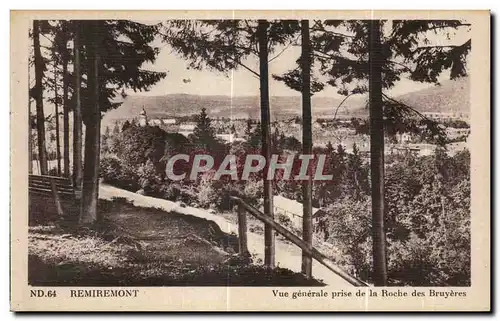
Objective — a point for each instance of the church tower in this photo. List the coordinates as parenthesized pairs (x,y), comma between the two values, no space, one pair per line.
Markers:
(143,117)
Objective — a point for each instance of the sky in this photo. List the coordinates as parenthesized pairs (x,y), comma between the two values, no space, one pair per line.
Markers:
(241,82)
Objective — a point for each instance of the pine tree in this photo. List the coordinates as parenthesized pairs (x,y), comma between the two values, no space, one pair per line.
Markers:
(275,142)
(57,35)
(90,186)
(358,59)
(116,129)
(248,129)
(255,139)
(329,148)
(224,45)
(204,133)
(356,175)
(111,64)
(66,56)
(307,223)
(56,112)
(77,111)
(38,93)
(126,125)
(105,146)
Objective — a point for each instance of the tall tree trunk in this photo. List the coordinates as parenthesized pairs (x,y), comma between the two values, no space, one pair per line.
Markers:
(377,155)
(30,131)
(90,187)
(266,139)
(56,111)
(65,113)
(307,223)
(40,117)
(77,114)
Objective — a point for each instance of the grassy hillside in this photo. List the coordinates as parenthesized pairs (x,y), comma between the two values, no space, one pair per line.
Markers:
(140,246)
(449,96)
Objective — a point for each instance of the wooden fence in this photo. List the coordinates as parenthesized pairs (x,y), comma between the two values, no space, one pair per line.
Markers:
(50,197)
(244,208)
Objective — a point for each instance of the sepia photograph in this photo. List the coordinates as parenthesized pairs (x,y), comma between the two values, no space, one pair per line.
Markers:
(315,153)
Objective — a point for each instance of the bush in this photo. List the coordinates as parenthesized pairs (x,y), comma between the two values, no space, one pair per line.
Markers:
(284,220)
(206,193)
(211,193)
(110,170)
(114,172)
(253,191)
(149,180)
(171,191)
(427,224)
(350,231)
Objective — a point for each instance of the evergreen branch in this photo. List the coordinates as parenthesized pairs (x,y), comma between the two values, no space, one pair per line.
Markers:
(407,107)
(328,56)
(443,27)
(318,22)
(437,130)
(333,33)
(438,47)
(284,49)
(400,64)
(246,48)
(338,107)
(318,56)
(51,41)
(248,25)
(244,66)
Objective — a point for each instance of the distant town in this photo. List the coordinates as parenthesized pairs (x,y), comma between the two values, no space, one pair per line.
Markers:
(342,131)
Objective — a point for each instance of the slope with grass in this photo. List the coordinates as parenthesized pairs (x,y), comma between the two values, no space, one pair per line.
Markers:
(145,246)
(288,255)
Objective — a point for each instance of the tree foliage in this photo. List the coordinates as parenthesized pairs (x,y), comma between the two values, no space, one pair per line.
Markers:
(224,45)
(340,53)
(125,46)
(204,134)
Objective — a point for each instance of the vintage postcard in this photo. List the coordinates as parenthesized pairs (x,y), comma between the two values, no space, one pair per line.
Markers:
(250,161)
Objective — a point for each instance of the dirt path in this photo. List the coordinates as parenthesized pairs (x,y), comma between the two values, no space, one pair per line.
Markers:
(287,255)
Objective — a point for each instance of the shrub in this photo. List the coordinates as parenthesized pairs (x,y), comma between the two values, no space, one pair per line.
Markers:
(349,231)
(114,172)
(149,180)
(427,224)
(207,195)
(283,220)
(252,191)
(110,170)
(170,191)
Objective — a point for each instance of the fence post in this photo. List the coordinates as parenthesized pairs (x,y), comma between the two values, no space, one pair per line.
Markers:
(57,200)
(315,254)
(242,231)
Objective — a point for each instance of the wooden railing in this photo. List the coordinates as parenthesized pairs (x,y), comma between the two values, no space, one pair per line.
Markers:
(50,197)
(243,208)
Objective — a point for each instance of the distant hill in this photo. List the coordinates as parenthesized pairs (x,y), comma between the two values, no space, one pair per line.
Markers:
(449,96)
(221,106)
